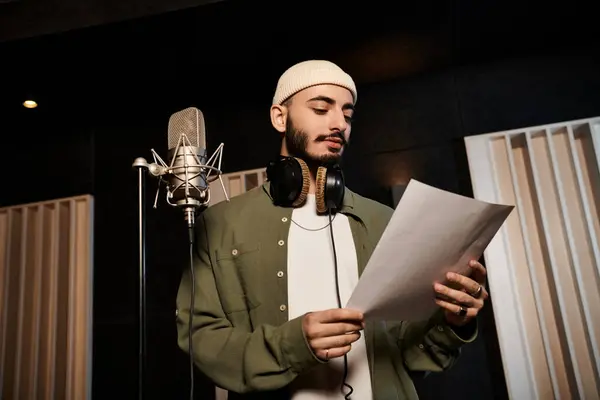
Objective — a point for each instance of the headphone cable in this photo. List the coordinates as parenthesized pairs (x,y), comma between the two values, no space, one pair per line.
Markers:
(339,301)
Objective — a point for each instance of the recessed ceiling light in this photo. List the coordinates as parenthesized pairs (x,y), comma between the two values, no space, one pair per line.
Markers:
(29,104)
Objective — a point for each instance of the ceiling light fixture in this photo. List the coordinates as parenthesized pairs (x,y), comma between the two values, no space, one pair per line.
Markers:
(29,104)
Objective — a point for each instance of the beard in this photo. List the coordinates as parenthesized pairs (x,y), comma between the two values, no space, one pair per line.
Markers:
(297,146)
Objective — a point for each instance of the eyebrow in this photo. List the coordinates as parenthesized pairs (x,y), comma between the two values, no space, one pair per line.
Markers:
(329,100)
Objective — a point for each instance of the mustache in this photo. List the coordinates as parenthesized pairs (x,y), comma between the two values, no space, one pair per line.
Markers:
(337,135)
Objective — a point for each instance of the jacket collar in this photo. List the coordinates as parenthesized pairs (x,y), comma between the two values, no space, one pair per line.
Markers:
(348,203)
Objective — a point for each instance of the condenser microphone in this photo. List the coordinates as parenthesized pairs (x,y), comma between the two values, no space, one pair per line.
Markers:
(187,183)
(188,173)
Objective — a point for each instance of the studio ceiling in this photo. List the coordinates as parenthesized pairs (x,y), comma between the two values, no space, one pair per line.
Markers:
(21,19)
(123,51)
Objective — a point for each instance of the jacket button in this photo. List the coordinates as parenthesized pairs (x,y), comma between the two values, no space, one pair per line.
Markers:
(280,274)
(282,307)
(234,252)
(281,243)
(284,219)
(440,328)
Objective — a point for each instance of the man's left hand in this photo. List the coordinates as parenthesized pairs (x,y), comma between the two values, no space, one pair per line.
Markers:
(463,304)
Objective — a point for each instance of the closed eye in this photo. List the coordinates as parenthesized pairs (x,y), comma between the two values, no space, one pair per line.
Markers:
(319,111)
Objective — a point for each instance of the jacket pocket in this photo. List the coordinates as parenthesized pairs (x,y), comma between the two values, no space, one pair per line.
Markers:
(235,265)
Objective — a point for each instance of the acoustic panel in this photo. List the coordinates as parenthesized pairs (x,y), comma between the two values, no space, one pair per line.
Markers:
(236,183)
(544,265)
(46,298)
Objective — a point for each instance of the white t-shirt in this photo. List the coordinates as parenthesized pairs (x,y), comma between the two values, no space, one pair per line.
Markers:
(312,287)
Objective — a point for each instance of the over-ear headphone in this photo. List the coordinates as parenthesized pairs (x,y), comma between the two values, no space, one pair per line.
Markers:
(290,181)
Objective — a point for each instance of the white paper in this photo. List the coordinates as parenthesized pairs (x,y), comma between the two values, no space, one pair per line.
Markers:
(431,232)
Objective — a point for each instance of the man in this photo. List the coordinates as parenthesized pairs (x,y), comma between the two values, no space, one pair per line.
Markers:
(271,279)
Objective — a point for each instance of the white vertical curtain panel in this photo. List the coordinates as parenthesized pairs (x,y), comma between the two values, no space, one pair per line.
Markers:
(544,264)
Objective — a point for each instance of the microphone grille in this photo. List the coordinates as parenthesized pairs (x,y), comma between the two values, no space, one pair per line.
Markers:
(191,122)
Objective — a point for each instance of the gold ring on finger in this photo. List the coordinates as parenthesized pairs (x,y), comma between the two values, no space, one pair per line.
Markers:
(477,293)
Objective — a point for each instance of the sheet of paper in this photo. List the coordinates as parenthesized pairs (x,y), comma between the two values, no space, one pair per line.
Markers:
(431,232)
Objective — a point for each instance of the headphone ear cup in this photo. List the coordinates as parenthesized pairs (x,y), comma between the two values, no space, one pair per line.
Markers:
(335,188)
(301,198)
(290,181)
(330,189)
(321,183)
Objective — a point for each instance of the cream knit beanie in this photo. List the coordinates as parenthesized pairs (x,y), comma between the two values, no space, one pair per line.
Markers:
(311,73)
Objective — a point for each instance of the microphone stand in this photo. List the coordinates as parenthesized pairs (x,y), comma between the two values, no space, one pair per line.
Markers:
(142,165)
(159,169)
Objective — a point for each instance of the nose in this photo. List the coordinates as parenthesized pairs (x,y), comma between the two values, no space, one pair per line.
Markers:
(338,121)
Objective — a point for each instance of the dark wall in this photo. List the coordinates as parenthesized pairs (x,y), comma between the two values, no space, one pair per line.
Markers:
(406,128)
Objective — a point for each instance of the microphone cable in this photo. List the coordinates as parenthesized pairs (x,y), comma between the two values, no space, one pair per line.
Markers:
(339,301)
(192,295)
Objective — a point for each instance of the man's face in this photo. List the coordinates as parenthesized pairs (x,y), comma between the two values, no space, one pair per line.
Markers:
(318,123)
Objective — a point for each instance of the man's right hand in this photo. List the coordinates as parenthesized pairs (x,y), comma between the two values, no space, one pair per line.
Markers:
(330,333)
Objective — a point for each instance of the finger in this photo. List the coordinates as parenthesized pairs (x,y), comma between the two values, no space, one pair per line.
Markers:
(467,283)
(334,341)
(455,308)
(328,354)
(318,330)
(484,293)
(456,295)
(340,314)
(479,272)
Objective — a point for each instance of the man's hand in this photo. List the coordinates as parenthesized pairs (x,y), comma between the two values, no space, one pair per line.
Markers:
(330,333)
(463,304)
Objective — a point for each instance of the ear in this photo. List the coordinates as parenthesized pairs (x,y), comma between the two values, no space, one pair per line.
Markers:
(279,117)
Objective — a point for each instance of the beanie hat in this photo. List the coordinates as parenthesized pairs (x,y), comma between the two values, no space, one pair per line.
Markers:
(311,73)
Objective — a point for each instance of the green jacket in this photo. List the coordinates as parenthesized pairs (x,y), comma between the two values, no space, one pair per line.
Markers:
(242,338)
